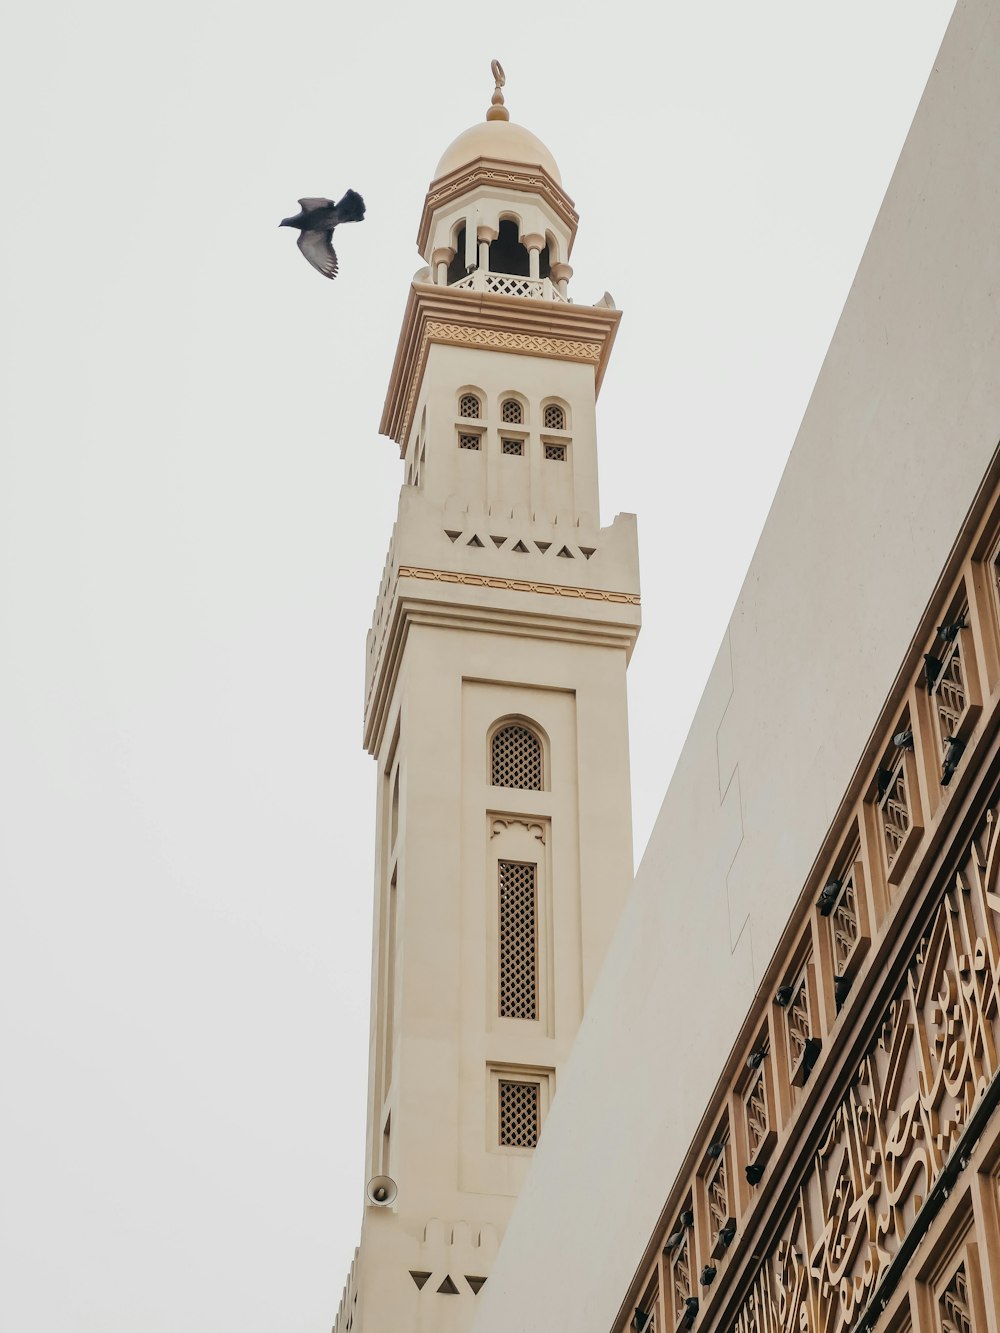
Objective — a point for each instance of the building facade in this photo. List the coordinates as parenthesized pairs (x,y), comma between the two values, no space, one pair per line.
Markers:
(496,712)
(799,1128)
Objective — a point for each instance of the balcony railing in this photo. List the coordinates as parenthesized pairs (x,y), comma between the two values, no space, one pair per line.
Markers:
(509,284)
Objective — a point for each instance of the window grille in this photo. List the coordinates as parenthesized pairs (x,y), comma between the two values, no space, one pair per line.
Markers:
(555,453)
(514,448)
(554,418)
(518,945)
(518,1114)
(956,1305)
(511,412)
(468,441)
(517,758)
(469,406)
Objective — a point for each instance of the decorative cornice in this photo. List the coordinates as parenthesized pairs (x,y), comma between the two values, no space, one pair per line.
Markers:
(519,585)
(613,629)
(491,171)
(486,320)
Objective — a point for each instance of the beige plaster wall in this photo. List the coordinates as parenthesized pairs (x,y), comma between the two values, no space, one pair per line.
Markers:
(902,424)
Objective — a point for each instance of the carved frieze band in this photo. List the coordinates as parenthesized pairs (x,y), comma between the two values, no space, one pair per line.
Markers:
(518,585)
(904,1112)
(507,340)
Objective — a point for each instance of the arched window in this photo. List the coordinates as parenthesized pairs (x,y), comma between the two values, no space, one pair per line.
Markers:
(516,759)
(470,406)
(456,269)
(554,417)
(507,254)
(511,412)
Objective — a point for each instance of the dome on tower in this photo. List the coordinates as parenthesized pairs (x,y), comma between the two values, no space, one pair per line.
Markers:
(501,140)
(497,137)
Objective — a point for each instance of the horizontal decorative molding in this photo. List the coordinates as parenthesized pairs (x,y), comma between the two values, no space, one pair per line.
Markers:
(518,585)
(506,340)
(522,326)
(486,171)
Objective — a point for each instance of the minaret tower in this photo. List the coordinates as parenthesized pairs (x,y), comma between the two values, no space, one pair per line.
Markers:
(496,711)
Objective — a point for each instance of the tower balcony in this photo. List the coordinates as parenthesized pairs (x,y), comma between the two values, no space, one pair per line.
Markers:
(510,284)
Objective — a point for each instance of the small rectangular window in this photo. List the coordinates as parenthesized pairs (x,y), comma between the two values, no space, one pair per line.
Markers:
(555,453)
(518,1114)
(469,441)
(515,448)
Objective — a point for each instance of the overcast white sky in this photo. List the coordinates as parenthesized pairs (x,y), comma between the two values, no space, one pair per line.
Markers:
(194,510)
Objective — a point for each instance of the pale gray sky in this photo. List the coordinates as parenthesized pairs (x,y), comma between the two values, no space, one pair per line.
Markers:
(195,506)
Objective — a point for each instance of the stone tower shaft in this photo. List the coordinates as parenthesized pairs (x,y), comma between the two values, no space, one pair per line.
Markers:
(496,711)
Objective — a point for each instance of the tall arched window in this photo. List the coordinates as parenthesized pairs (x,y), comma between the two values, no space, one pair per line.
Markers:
(516,758)
(507,254)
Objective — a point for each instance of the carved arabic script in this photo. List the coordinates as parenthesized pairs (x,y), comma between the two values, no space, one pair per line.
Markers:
(904,1112)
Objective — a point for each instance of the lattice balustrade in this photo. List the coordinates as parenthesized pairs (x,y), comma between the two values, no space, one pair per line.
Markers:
(512,448)
(798,1027)
(758,1117)
(895,812)
(511,412)
(681,1274)
(555,453)
(519,1114)
(951,697)
(721,1214)
(845,927)
(955,1306)
(470,406)
(518,940)
(554,417)
(517,758)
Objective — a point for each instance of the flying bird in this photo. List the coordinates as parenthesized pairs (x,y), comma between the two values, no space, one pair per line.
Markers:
(315,224)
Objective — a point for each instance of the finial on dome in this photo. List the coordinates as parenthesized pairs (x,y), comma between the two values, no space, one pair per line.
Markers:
(497,109)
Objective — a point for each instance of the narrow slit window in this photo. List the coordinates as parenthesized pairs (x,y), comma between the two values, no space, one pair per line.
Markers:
(518,894)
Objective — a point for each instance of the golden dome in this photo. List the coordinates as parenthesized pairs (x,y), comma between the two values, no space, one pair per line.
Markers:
(499,138)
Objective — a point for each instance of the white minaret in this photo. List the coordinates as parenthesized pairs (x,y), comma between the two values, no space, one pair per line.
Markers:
(496,711)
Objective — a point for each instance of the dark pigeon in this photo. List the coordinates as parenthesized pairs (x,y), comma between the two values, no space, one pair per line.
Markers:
(315,224)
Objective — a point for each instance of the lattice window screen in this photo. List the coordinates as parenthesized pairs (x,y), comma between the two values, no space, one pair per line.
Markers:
(517,758)
(555,453)
(514,448)
(468,441)
(554,417)
(956,1306)
(511,412)
(518,940)
(469,406)
(518,1114)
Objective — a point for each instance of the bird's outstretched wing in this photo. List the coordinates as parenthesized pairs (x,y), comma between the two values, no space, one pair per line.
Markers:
(309,204)
(316,247)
